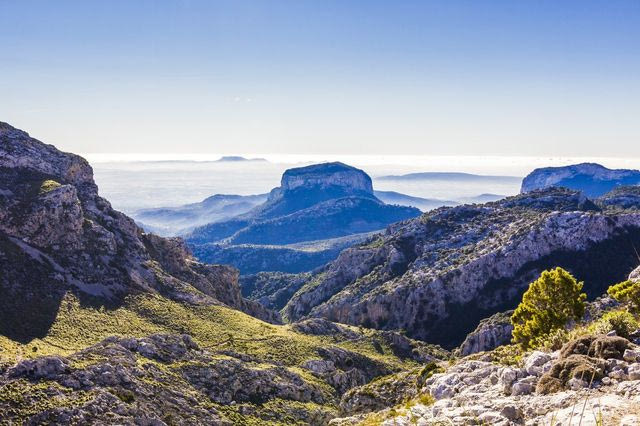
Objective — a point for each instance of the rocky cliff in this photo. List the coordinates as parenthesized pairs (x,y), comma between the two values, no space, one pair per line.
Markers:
(592,179)
(438,275)
(58,235)
(327,176)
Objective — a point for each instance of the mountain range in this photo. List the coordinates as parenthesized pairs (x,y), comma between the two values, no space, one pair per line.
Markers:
(104,323)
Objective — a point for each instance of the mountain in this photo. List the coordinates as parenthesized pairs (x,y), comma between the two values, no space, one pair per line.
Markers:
(102,323)
(469,262)
(592,179)
(424,204)
(171,221)
(449,176)
(318,203)
(58,236)
(237,159)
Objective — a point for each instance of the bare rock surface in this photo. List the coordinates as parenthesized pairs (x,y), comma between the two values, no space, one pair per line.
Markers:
(475,390)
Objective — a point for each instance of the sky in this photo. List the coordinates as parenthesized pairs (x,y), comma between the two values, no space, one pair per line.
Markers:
(450,77)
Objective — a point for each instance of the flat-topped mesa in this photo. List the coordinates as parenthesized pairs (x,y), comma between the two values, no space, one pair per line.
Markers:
(327,176)
(592,179)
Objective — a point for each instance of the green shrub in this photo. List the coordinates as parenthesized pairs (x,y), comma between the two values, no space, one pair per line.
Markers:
(48,185)
(549,303)
(622,322)
(627,292)
(555,339)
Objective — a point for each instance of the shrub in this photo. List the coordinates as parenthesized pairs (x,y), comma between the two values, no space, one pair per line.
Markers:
(549,303)
(622,322)
(627,292)
(48,185)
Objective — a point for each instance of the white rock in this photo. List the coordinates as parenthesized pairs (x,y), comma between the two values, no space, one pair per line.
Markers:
(534,362)
(522,387)
(634,372)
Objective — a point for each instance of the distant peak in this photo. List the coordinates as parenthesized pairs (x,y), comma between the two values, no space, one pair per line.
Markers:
(236,159)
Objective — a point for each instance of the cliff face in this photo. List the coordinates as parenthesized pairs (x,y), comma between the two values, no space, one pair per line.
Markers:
(327,175)
(437,276)
(592,179)
(58,235)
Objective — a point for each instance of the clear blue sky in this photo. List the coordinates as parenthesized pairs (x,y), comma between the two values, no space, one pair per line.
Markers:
(525,77)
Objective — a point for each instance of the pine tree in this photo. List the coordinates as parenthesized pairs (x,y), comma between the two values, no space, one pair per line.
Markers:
(549,303)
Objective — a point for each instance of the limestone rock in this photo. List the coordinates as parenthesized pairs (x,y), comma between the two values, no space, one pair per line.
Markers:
(488,335)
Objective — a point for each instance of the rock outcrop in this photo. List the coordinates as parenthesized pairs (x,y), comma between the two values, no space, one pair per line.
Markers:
(437,276)
(635,275)
(590,378)
(489,334)
(592,179)
(57,235)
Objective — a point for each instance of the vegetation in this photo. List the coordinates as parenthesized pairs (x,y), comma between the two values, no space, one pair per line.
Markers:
(550,302)
(48,185)
(627,292)
(620,321)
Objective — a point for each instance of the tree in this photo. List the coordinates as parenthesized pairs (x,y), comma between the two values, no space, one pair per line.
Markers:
(549,303)
(627,292)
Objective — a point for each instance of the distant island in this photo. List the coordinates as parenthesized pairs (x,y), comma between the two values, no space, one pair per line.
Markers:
(450,176)
(237,159)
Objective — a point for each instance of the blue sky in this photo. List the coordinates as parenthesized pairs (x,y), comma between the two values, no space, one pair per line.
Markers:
(317,77)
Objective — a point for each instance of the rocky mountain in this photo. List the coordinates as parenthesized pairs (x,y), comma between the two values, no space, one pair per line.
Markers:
(102,323)
(172,221)
(318,203)
(469,262)
(57,235)
(592,179)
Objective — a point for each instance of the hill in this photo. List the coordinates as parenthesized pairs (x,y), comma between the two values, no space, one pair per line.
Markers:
(592,179)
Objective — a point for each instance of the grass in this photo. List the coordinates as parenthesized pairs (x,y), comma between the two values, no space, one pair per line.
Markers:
(216,328)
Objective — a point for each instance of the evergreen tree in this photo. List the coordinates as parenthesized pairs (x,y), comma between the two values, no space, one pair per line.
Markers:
(549,303)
